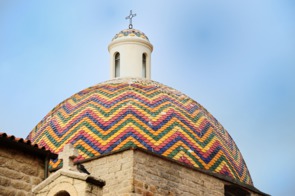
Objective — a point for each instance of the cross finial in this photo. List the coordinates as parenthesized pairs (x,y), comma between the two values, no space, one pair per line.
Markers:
(130,19)
(67,155)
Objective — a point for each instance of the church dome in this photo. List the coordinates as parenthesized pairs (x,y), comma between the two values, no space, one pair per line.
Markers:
(127,113)
(133,33)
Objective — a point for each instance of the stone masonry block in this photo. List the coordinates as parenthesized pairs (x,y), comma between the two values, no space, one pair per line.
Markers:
(11,173)
(29,170)
(19,185)
(7,191)
(25,158)
(21,193)
(3,161)
(5,181)
(126,165)
(7,153)
(115,168)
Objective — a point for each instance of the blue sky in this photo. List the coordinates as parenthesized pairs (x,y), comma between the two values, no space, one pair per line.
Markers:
(236,58)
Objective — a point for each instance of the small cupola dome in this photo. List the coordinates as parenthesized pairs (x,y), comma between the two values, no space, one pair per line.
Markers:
(133,33)
(130,53)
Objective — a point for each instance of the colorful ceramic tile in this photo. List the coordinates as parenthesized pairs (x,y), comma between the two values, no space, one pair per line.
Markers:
(141,113)
(131,33)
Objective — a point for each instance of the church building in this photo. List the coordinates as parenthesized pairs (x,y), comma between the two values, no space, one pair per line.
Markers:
(126,136)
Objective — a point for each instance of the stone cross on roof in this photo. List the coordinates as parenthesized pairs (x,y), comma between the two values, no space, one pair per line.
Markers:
(68,155)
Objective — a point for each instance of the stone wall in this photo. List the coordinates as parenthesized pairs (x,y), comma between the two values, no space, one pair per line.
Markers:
(116,170)
(19,172)
(135,173)
(155,176)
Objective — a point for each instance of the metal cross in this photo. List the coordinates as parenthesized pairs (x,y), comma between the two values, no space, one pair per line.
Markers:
(130,19)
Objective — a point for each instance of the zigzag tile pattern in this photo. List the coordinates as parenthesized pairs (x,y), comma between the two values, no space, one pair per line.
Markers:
(141,113)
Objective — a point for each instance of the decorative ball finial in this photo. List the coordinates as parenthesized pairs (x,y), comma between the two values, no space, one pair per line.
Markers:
(130,19)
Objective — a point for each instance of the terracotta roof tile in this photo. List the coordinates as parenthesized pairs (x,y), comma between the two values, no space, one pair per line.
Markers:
(27,143)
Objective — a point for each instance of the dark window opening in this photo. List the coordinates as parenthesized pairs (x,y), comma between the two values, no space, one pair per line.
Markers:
(62,193)
(232,190)
(144,65)
(117,65)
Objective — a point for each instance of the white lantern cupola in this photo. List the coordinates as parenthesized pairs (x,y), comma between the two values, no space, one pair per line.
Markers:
(130,53)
